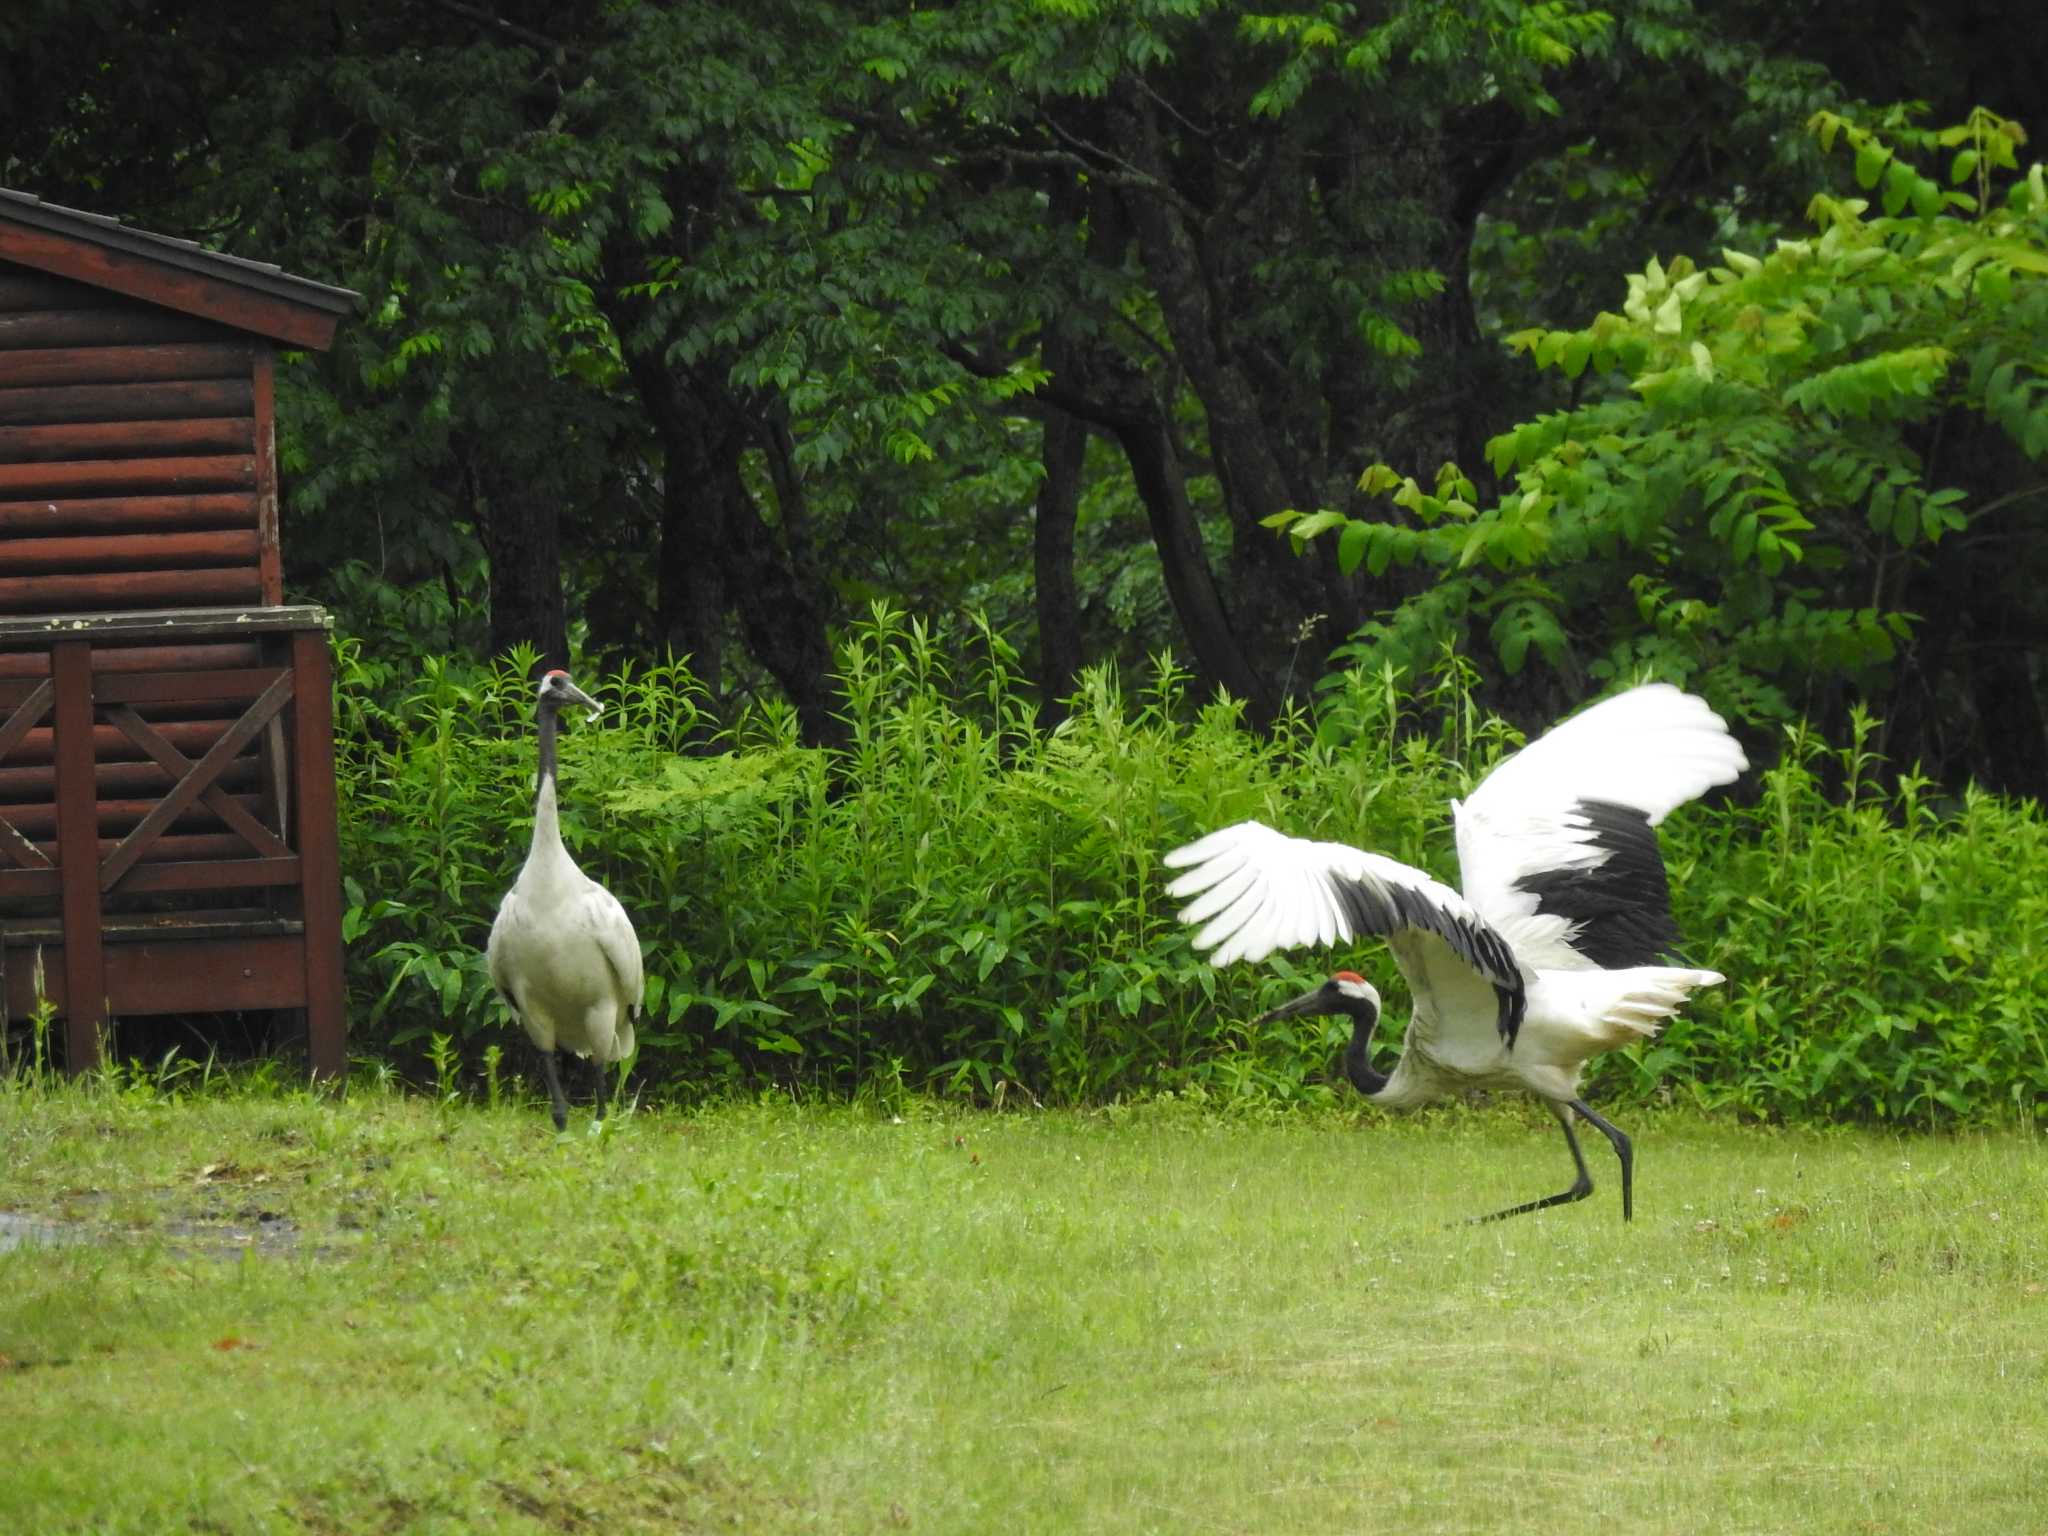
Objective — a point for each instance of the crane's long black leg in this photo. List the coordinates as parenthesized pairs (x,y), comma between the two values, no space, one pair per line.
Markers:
(1622,1150)
(556,1102)
(600,1084)
(1581,1186)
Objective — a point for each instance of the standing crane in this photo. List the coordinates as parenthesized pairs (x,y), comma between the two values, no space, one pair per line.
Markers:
(1553,952)
(563,954)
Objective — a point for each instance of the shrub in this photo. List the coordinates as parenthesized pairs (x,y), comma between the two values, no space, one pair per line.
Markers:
(957,901)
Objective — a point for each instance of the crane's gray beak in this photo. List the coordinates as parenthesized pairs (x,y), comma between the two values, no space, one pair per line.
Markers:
(577,694)
(1308,1002)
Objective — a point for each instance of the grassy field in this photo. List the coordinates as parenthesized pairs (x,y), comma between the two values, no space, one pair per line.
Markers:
(271,1313)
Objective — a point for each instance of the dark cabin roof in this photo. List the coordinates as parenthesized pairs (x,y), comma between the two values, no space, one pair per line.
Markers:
(177,274)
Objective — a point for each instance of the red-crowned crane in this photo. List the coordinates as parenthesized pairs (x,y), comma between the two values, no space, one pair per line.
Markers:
(563,954)
(1550,956)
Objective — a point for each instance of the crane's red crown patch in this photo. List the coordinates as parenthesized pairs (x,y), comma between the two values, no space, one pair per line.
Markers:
(1349,976)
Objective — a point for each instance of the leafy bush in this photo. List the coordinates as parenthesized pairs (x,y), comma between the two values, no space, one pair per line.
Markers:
(1887,950)
(960,902)
(956,900)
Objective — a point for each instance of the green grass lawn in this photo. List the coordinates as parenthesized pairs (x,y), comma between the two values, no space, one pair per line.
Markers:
(771,1318)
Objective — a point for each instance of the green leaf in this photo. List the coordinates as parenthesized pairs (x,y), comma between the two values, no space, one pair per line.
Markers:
(1316,522)
(1351,545)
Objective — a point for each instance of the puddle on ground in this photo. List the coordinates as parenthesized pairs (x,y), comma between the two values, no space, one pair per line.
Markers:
(18,1231)
(265,1233)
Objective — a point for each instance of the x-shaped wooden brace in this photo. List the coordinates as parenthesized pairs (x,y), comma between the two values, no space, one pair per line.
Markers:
(195,781)
(25,719)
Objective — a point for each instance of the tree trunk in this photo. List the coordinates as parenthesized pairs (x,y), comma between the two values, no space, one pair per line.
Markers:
(1273,588)
(779,591)
(1052,548)
(523,538)
(1155,467)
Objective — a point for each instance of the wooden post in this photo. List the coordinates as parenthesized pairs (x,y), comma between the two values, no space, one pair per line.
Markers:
(269,555)
(319,852)
(78,854)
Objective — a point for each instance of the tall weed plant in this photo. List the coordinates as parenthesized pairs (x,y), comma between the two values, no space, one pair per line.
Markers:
(958,901)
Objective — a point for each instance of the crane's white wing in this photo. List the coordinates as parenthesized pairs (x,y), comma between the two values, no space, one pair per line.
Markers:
(1256,890)
(601,916)
(589,916)
(497,953)
(1557,847)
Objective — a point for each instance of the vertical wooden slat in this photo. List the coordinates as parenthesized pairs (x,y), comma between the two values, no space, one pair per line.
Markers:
(78,854)
(319,851)
(269,558)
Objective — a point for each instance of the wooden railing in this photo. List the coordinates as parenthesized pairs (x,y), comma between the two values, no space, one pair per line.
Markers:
(167,819)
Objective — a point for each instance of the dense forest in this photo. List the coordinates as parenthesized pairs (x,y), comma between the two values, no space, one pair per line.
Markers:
(1387,365)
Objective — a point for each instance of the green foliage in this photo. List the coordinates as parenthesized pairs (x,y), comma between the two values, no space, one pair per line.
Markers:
(1886,948)
(956,896)
(1759,467)
(960,902)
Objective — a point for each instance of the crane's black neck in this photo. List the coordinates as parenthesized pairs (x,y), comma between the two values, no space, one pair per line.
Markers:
(547,714)
(1358,1055)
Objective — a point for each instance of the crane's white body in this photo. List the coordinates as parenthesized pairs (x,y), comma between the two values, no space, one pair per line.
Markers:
(1572,1017)
(1505,991)
(563,952)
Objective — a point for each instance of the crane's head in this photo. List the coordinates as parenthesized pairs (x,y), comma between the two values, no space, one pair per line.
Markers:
(1347,993)
(557,690)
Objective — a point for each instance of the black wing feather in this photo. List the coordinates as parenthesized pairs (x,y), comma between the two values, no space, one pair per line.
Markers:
(1620,907)
(1392,908)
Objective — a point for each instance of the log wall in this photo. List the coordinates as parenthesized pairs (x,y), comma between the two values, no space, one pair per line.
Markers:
(137,469)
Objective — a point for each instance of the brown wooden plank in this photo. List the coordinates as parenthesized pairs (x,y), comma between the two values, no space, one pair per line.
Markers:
(126,439)
(152,477)
(270,562)
(175,287)
(164,625)
(201,776)
(35,784)
(127,402)
(109,745)
(77,860)
(58,366)
(174,974)
(230,869)
(128,552)
(226,684)
(117,817)
(188,923)
(312,734)
(38,885)
(172,848)
(108,660)
(60,326)
(103,591)
(129,514)
(21,288)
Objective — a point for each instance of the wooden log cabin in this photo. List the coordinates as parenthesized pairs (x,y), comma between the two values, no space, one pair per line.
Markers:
(167,811)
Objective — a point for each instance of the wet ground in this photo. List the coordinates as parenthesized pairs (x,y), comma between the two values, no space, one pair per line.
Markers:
(265,1232)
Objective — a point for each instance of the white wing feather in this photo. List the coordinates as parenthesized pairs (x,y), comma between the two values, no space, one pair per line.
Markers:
(613,931)
(1256,890)
(1651,749)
